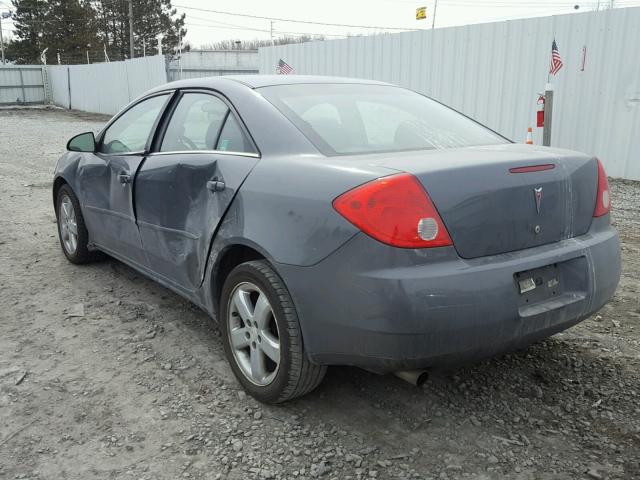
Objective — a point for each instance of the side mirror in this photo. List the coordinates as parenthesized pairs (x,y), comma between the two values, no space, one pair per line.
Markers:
(85,142)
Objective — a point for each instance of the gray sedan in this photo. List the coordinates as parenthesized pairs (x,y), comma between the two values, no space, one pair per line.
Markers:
(328,221)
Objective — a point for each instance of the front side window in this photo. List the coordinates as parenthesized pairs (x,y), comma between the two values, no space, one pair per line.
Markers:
(130,132)
(343,119)
(195,123)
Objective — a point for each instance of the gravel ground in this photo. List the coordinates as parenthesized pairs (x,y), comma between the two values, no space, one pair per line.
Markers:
(105,374)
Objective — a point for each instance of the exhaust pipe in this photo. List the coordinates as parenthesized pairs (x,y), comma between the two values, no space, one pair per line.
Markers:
(414,377)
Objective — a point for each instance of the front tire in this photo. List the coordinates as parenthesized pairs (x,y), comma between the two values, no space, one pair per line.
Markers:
(262,337)
(72,231)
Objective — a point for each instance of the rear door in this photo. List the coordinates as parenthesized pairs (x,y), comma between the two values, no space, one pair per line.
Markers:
(203,155)
(106,178)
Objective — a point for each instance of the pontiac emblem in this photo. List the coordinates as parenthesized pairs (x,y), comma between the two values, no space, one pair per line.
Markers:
(537,193)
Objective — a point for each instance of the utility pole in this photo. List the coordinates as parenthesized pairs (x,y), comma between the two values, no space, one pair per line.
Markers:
(1,39)
(433,20)
(272,33)
(180,52)
(131,29)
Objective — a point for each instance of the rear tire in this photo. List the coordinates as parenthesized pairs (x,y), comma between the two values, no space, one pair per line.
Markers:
(258,319)
(72,231)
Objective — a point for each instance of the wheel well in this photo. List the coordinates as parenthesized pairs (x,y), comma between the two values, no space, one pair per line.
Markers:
(230,259)
(57,185)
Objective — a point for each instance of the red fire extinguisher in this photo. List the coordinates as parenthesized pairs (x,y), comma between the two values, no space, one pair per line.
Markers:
(540,112)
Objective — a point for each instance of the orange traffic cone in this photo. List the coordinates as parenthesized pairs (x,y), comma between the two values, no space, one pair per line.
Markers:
(529,136)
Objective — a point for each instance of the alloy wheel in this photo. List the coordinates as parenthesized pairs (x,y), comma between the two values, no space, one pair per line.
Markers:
(68,225)
(253,334)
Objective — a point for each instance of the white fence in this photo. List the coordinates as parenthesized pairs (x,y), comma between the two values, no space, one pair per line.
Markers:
(105,87)
(208,63)
(21,85)
(494,72)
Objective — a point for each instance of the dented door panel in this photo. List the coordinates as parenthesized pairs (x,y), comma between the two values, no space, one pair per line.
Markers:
(180,199)
(106,185)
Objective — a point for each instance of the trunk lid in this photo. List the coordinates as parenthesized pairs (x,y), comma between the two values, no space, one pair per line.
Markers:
(488,209)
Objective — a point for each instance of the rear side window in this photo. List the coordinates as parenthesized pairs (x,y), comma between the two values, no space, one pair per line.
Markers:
(345,119)
(130,132)
(233,139)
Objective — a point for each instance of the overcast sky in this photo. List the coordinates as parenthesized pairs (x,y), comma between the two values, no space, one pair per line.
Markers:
(205,27)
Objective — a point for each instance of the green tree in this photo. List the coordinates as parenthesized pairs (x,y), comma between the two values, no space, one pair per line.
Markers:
(150,19)
(157,17)
(29,20)
(64,27)
(72,33)
(73,28)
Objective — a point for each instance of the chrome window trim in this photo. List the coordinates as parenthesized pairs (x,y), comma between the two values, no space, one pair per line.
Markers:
(216,152)
(140,153)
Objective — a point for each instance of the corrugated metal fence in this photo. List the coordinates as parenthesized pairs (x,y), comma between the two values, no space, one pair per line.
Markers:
(105,87)
(494,72)
(21,85)
(209,63)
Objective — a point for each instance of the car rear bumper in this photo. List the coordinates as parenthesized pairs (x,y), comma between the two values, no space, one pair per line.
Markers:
(384,308)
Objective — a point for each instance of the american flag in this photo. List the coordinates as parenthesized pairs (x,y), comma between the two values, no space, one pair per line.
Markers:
(556,61)
(284,68)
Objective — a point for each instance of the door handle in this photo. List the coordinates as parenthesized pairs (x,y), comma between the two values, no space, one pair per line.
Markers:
(215,186)
(124,178)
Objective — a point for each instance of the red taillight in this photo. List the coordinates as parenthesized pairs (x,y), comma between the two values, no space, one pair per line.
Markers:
(603,198)
(395,210)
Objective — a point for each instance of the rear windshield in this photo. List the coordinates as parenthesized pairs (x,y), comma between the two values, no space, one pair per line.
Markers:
(341,119)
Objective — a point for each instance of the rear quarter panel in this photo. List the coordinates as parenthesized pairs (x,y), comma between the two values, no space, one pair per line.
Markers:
(284,208)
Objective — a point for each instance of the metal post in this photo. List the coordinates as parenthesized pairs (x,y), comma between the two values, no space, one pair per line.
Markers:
(433,20)
(1,39)
(69,85)
(131,28)
(548,114)
(88,62)
(24,95)
(45,84)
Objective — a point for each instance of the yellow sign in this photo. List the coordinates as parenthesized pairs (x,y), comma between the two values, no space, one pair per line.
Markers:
(421,13)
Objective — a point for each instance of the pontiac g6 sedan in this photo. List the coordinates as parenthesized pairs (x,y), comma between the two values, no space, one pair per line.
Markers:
(328,221)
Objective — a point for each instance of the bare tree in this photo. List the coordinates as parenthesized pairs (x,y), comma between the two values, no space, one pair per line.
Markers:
(254,44)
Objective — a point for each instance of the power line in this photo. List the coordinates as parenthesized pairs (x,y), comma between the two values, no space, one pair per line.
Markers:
(275,19)
(528,4)
(232,26)
(302,34)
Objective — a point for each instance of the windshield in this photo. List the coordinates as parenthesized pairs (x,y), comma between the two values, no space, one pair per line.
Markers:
(342,119)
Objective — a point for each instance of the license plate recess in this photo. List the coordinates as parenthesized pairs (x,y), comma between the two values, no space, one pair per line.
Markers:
(539,284)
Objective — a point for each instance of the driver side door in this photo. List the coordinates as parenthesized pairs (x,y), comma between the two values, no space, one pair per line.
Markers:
(106,179)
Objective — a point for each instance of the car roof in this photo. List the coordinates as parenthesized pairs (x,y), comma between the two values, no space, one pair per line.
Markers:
(258,81)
